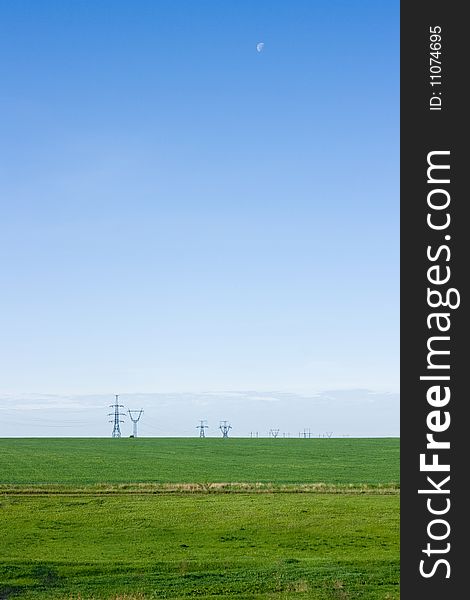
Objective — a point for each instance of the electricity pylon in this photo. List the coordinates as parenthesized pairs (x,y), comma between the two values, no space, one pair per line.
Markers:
(201,428)
(224,428)
(116,420)
(135,420)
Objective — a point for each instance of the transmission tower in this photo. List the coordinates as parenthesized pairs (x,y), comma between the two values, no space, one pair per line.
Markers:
(201,427)
(116,420)
(273,433)
(135,419)
(224,428)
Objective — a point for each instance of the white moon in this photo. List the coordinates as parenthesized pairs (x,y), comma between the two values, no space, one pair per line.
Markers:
(259,46)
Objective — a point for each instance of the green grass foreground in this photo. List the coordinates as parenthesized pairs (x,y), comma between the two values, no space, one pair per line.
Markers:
(139,519)
(319,546)
(372,461)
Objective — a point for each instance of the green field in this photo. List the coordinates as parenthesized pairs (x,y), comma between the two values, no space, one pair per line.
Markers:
(182,460)
(90,519)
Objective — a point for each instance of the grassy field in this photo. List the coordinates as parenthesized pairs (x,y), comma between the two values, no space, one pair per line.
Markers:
(209,545)
(95,519)
(181,460)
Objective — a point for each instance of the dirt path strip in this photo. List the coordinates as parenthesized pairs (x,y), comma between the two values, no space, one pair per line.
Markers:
(190,488)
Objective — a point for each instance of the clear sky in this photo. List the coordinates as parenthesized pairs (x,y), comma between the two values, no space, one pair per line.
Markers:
(182,214)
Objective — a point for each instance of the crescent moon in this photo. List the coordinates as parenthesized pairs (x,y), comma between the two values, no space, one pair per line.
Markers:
(259,46)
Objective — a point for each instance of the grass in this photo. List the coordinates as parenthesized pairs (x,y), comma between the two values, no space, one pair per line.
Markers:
(140,519)
(182,460)
(197,488)
(210,545)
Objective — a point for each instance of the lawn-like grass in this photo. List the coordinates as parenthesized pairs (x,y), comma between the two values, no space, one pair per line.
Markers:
(180,460)
(280,545)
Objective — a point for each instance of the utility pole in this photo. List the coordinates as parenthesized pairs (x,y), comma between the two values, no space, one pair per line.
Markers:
(135,420)
(201,428)
(116,420)
(224,428)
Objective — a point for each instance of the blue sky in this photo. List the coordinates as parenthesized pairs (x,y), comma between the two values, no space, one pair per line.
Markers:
(183,214)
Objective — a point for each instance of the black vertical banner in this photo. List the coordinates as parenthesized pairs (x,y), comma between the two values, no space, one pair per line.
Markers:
(435,260)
